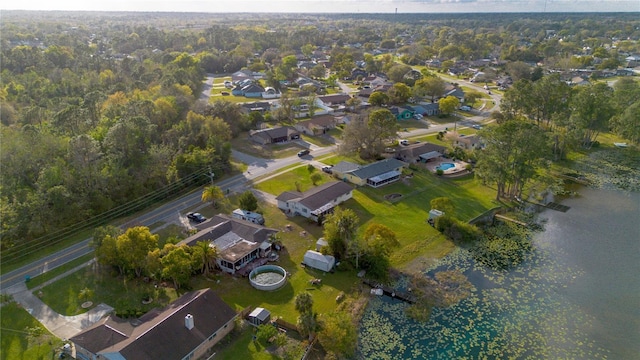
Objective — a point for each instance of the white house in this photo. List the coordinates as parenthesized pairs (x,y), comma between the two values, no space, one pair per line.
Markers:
(316,202)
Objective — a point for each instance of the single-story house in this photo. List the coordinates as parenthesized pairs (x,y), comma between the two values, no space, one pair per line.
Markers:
(259,316)
(375,174)
(456,91)
(467,142)
(270,93)
(431,109)
(317,125)
(417,109)
(319,261)
(420,152)
(316,202)
(253,91)
(238,242)
(259,106)
(402,113)
(358,72)
(274,135)
(185,329)
(334,100)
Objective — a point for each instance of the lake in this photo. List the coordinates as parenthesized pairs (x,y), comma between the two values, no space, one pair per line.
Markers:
(577,297)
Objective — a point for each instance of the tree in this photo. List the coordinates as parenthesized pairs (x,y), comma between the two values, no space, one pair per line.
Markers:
(248,201)
(339,334)
(628,124)
(449,104)
(431,86)
(340,232)
(378,241)
(514,152)
(354,103)
(177,265)
(396,72)
(443,204)
(471,97)
(367,134)
(315,178)
(212,193)
(308,322)
(519,70)
(209,255)
(133,247)
(591,110)
(266,332)
(399,93)
(378,98)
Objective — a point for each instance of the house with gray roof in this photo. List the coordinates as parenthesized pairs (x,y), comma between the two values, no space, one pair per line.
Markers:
(375,174)
(274,135)
(185,329)
(317,125)
(239,242)
(316,202)
(420,152)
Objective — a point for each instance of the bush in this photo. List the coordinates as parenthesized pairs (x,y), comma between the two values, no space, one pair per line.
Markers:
(439,172)
(456,230)
(266,332)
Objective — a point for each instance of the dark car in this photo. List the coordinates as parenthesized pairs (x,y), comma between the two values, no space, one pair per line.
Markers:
(327,169)
(196,217)
(304,152)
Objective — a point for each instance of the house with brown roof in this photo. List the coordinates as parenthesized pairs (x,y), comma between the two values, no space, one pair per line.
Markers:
(239,242)
(420,152)
(317,125)
(375,174)
(316,202)
(185,329)
(274,135)
(467,142)
(335,101)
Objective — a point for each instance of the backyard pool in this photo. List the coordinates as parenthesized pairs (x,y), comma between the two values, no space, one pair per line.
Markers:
(445,166)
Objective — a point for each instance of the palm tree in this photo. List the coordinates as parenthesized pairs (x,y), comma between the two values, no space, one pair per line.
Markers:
(212,193)
(209,256)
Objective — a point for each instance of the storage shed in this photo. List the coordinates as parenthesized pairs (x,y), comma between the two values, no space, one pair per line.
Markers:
(259,316)
(433,214)
(321,243)
(319,261)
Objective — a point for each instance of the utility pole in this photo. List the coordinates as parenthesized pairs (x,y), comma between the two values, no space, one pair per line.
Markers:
(211,175)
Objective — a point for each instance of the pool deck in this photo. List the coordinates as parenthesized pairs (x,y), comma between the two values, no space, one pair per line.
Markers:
(460,166)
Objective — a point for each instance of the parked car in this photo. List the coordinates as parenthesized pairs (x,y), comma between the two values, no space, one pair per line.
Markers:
(418,116)
(327,169)
(225,93)
(465,108)
(196,217)
(404,142)
(304,152)
(477,127)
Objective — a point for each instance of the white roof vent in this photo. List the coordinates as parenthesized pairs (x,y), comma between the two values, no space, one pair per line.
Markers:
(188,321)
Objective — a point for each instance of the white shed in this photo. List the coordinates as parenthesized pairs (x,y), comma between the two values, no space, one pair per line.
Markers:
(259,316)
(321,243)
(319,261)
(433,213)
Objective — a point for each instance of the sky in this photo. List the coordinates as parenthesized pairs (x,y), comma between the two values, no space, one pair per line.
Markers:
(330,6)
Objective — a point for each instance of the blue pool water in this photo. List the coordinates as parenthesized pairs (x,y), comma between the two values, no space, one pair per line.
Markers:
(445,166)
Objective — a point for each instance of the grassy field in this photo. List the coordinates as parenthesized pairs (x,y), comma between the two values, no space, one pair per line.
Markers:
(287,181)
(16,344)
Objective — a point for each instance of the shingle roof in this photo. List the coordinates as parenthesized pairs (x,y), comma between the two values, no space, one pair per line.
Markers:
(221,224)
(345,167)
(319,195)
(162,334)
(415,150)
(378,168)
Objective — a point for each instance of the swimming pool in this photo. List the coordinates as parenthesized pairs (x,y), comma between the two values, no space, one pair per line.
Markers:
(445,166)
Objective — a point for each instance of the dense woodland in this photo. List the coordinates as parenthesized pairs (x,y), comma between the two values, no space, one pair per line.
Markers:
(100,110)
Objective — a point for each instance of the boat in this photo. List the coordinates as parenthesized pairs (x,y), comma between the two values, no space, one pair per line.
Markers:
(621,145)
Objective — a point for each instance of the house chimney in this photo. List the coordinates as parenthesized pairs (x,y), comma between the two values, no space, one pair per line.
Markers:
(188,321)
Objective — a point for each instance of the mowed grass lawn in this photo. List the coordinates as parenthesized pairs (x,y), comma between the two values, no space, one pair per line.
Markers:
(14,339)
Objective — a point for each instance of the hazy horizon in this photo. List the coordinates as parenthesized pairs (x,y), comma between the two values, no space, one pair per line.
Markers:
(332,6)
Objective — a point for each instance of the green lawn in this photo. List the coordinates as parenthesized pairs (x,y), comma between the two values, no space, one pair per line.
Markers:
(15,341)
(287,181)
(121,293)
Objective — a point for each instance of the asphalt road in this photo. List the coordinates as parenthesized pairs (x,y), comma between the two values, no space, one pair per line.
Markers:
(166,213)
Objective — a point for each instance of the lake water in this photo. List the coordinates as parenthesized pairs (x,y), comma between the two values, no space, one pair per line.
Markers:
(578,297)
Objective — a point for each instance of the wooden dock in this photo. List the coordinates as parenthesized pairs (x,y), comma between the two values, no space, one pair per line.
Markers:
(389,291)
(505,218)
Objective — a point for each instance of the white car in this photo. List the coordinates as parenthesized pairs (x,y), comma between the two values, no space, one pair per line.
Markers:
(465,108)
(404,142)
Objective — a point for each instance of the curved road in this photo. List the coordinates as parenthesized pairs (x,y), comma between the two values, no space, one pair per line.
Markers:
(166,213)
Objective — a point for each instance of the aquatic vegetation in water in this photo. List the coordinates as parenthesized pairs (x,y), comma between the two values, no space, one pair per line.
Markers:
(503,246)
(520,314)
(612,169)
(445,289)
